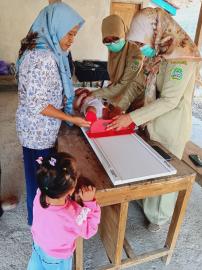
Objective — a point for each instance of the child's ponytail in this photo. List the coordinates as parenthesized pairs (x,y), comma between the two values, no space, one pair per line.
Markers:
(43,202)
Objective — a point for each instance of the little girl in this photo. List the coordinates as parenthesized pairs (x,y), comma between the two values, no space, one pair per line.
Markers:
(58,220)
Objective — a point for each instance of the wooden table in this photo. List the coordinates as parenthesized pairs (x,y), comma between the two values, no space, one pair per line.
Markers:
(115,200)
(192,148)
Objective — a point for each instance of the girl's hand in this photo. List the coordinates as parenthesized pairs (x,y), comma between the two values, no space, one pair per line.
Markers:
(87,193)
(79,121)
(120,122)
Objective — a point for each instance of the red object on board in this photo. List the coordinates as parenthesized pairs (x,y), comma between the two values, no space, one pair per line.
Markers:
(91,116)
(98,129)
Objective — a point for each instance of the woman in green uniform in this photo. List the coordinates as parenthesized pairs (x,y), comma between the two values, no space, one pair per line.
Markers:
(170,67)
(124,65)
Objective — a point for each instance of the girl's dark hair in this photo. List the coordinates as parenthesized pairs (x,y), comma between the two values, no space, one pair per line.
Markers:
(28,43)
(56,176)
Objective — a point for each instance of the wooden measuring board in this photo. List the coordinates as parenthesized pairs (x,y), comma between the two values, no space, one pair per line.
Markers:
(128,158)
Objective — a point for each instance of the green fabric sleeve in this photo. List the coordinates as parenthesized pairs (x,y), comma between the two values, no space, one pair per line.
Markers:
(125,85)
(130,93)
(176,79)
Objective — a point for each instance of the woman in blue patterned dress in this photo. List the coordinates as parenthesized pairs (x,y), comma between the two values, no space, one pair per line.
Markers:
(43,79)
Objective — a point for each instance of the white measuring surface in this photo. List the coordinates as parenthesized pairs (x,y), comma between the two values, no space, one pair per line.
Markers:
(128,158)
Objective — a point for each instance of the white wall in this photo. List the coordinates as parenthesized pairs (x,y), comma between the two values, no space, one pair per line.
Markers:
(88,43)
(16,17)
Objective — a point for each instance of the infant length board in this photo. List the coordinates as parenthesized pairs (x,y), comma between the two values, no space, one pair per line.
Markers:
(128,158)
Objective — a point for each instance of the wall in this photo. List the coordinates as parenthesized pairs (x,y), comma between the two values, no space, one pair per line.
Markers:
(144,3)
(16,17)
(131,1)
(88,44)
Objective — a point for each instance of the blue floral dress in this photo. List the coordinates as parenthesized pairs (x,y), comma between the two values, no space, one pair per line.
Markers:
(39,85)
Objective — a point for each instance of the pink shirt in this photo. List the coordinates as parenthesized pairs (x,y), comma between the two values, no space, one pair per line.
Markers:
(56,228)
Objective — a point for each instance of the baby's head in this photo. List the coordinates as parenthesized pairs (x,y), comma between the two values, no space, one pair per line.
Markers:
(56,177)
(110,111)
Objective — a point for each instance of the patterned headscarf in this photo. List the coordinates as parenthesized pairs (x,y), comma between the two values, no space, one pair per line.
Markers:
(157,28)
(52,24)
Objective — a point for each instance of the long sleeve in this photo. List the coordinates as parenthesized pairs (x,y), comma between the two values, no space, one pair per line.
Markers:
(56,228)
(40,88)
(177,76)
(132,69)
(133,91)
(39,85)
(88,219)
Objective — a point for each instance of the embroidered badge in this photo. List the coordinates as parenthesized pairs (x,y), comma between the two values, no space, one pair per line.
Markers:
(135,65)
(82,216)
(177,73)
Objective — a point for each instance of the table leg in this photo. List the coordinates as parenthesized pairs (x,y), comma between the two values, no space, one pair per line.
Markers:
(112,230)
(79,254)
(178,215)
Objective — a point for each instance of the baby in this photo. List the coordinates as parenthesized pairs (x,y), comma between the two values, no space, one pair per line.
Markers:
(94,108)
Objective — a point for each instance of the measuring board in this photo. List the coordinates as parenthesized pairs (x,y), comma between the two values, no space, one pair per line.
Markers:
(128,158)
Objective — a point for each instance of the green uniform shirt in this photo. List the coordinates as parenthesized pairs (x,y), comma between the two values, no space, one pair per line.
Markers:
(130,86)
(169,118)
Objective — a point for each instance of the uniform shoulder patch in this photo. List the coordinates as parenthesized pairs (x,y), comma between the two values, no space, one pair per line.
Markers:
(177,73)
(135,65)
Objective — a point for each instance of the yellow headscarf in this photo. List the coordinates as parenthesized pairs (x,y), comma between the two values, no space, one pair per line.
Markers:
(114,26)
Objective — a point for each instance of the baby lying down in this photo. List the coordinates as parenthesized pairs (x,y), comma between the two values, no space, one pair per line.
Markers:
(94,108)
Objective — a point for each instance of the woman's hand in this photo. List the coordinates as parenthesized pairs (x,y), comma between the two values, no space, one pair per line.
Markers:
(87,193)
(53,112)
(79,121)
(120,122)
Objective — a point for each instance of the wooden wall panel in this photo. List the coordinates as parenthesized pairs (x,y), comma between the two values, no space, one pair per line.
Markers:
(125,10)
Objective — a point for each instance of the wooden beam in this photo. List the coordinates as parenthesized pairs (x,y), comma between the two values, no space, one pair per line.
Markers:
(128,249)
(176,222)
(192,148)
(78,259)
(198,35)
(143,258)
(130,193)
(112,230)
(54,1)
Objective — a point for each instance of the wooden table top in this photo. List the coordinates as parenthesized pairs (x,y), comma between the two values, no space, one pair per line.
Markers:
(73,141)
